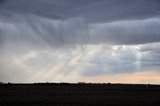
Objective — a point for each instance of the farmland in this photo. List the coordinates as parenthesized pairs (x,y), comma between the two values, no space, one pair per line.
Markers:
(47,94)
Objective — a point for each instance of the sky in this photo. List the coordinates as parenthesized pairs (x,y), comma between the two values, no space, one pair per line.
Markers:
(116,41)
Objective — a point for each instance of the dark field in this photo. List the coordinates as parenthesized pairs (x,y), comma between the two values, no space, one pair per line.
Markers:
(79,94)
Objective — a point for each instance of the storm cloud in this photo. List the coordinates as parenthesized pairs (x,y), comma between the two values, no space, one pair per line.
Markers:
(82,38)
(91,10)
(67,21)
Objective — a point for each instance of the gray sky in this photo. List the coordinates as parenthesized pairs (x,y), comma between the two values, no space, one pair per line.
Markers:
(67,40)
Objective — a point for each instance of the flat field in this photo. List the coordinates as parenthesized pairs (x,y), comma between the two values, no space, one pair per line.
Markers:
(49,94)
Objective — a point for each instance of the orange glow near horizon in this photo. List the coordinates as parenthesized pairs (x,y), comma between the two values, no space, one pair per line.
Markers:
(145,77)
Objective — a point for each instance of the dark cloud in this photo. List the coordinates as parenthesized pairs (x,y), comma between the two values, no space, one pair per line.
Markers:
(2,1)
(60,22)
(91,10)
(129,32)
(42,32)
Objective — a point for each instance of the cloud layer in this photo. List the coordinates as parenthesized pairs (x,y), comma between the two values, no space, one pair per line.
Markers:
(64,40)
(92,10)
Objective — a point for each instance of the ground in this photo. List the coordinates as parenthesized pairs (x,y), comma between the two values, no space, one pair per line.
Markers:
(49,94)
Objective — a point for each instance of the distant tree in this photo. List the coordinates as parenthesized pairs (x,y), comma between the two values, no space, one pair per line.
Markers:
(81,82)
(147,86)
(9,83)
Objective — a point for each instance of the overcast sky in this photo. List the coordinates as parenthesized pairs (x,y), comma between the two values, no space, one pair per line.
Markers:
(80,40)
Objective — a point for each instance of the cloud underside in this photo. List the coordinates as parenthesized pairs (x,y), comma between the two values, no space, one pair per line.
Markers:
(84,22)
(41,31)
(62,40)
